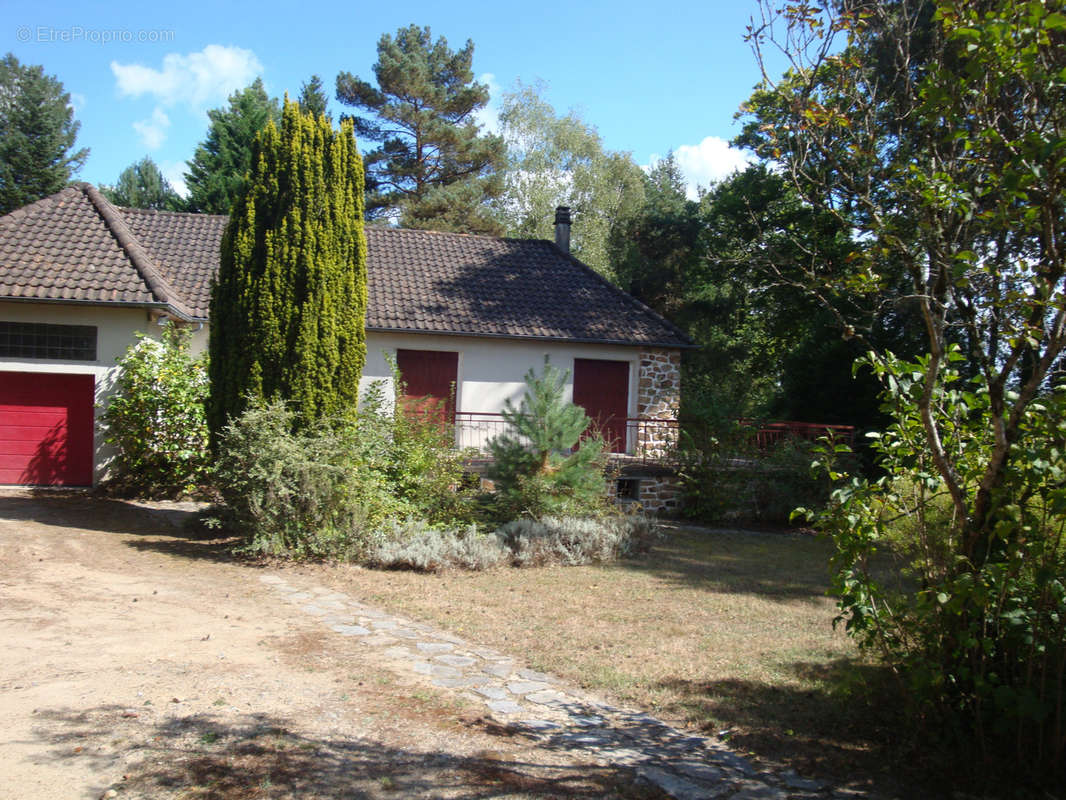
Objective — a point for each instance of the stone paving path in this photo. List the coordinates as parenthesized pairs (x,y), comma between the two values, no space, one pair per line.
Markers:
(542,707)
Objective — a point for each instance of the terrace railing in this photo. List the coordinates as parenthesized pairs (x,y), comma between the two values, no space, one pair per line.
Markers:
(645,441)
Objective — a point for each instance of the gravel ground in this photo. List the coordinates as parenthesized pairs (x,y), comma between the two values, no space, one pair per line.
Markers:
(140,663)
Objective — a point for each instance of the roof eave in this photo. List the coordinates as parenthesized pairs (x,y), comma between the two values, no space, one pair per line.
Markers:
(528,337)
(163,307)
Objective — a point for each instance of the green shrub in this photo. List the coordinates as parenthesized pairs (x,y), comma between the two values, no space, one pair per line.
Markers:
(537,469)
(727,477)
(416,456)
(978,640)
(300,493)
(155,420)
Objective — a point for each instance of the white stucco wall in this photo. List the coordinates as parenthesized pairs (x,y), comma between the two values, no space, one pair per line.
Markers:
(115,328)
(492,371)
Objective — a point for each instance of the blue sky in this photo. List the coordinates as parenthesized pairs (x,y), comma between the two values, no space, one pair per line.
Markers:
(141,76)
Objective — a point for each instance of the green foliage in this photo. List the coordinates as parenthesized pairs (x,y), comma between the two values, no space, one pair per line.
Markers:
(434,169)
(313,98)
(979,642)
(560,161)
(142,185)
(935,131)
(536,468)
(727,477)
(288,305)
(220,163)
(155,420)
(336,487)
(37,134)
(299,492)
(415,454)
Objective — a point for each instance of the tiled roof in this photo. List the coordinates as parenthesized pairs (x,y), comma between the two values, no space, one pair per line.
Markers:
(185,246)
(75,246)
(482,285)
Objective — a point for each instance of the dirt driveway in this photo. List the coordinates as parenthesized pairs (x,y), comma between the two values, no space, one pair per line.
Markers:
(137,662)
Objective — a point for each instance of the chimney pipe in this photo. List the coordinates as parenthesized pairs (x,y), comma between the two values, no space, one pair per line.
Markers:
(562,228)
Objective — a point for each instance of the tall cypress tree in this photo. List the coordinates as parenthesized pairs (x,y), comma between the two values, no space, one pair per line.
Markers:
(289,304)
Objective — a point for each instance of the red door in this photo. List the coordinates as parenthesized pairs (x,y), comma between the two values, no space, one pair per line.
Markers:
(46,429)
(602,389)
(430,377)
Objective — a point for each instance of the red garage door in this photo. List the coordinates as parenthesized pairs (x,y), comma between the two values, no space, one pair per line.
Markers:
(46,429)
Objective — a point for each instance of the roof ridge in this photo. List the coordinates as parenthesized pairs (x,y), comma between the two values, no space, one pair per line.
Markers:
(138,255)
(393,229)
(22,211)
(167,212)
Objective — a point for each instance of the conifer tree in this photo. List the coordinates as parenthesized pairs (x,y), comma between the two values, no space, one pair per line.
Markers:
(289,303)
(434,169)
(142,185)
(536,468)
(37,133)
(217,168)
(313,98)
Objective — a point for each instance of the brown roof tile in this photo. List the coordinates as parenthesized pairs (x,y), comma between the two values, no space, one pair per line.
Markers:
(76,246)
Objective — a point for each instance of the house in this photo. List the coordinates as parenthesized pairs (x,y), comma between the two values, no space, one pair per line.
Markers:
(79,277)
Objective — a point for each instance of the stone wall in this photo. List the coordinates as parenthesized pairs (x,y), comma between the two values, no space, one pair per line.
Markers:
(658,398)
(656,493)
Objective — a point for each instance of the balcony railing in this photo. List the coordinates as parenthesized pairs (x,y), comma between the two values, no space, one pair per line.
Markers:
(644,440)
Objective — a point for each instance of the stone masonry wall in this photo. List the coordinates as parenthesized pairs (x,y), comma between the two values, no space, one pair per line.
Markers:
(658,398)
(660,494)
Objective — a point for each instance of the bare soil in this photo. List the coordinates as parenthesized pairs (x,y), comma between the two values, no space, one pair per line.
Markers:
(137,661)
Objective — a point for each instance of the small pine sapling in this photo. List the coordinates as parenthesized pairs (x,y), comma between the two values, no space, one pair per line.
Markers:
(539,467)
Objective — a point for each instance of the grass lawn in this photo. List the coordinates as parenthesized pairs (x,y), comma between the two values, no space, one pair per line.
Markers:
(726,631)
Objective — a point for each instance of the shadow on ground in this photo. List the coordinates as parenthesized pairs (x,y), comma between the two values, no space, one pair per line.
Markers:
(779,566)
(254,755)
(851,730)
(171,532)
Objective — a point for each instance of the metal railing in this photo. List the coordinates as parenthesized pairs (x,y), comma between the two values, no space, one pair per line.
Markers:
(770,433)
(639,439)
(643,440)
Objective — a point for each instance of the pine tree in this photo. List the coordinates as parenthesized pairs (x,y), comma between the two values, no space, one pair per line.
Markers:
(434,169)
(142,185)
(536,468)
(217,168)
(37,133)
(313,98)
(289,303)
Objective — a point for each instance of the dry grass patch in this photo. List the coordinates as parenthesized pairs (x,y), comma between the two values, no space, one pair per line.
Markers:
(724,630)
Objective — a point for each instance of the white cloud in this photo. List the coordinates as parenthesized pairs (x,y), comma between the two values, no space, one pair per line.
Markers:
(153,131)
(195,79)
(78,101)
(489,116)
(174,172)
(708,162)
